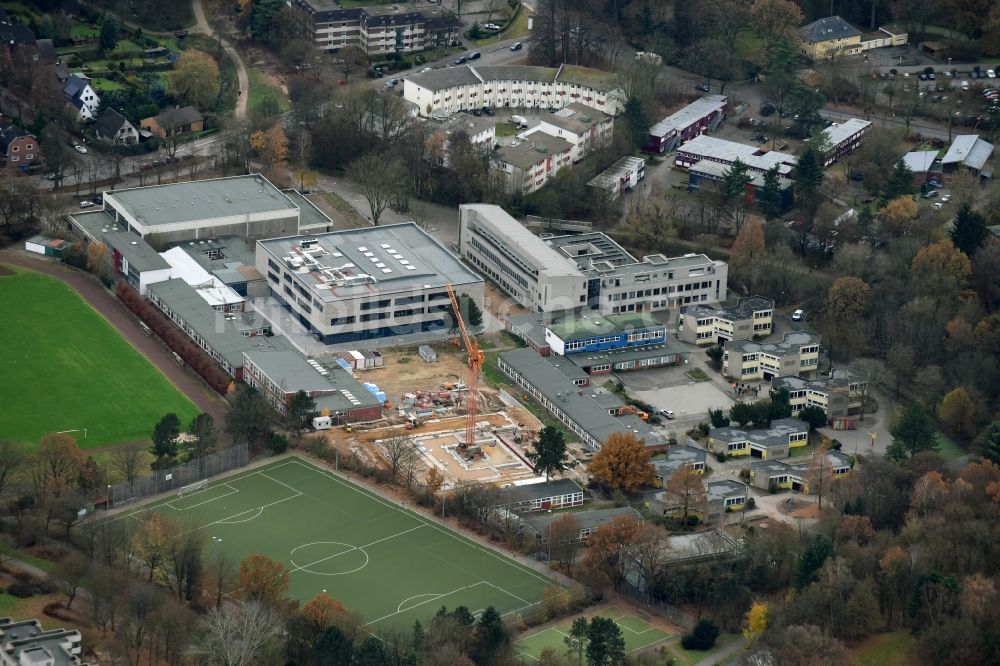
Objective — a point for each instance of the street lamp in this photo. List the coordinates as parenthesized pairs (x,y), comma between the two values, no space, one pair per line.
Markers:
(109,496)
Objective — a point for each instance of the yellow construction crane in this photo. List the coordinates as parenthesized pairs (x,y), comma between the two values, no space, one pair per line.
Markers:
(475,364)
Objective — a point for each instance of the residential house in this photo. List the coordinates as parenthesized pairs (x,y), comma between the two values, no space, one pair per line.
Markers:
(586,128)
(554,494)
(834,37)
(18,148)
(750,318)
(527,164)
(690,456)
(480,131)
(539,526)
(81,95)
(770,443)
(797,354)
(839,394)
(773,475)
(167,123)
(113,127)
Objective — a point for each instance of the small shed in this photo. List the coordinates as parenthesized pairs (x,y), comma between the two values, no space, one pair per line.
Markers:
(428,354)
(52,247)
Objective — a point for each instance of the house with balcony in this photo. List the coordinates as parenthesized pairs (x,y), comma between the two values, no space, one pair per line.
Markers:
(528,163)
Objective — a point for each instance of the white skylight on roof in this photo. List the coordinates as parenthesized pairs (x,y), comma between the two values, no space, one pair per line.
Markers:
(405,262)
(411,268)
(369,254)
(386,270)
(337,254)
(362,249)
(385,246)
(380,265)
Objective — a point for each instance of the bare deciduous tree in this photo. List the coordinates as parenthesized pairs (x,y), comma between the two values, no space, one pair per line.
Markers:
(235,634)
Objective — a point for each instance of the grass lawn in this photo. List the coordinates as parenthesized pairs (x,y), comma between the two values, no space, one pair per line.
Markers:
(64,367)
(948,449)
(339,203)
(83,30)
(636,632)
(514,30)
(11,551)
(697,375)
(692,657)
(748,44)
(896,649)
(261,90)
(376,557)
(506,129)
(106,85)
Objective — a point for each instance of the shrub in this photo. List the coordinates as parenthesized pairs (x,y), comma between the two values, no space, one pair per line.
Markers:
(751,503)
(278,444)
(21,590)
(721,456)
(702,637)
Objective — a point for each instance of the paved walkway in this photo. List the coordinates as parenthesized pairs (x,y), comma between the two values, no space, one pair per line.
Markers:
(121,319)
(727,655)
(202,26)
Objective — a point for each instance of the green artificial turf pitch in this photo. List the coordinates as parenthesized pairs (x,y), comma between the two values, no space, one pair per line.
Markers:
(377,558)
(636,632)
(64,367)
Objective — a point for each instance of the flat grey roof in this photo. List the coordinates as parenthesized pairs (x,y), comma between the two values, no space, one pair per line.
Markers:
(840,378)
(699,545)
(221,334)
(200,199)
(530,326)
(970,150)
(776,434)
(309,214)
(292,372)
(722,489)
(553,378)
(369,261)
(443,78)
(612,175)
(591,519)
(532,249)
(744,309)
(463,122)
(233,260)
(596,79)
(537,491)
(710,147)
(720,171)
(677,456)
(585,248)
(689,115)
(576,118)
(101,226)
(789,344)
(669,347)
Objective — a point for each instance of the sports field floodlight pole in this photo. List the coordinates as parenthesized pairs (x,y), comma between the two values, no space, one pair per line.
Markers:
(109,496)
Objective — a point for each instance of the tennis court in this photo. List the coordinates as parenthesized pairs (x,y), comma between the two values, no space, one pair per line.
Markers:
(377,558)
(638,634)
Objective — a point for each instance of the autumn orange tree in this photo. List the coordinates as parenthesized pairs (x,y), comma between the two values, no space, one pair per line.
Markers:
(685,492)
(896,218)
(623,462)
(960,412)
(263,579)
(608,547)
(323,610)
(940,271)
(746,250)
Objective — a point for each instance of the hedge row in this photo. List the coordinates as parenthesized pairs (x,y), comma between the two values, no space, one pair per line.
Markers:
(173,337)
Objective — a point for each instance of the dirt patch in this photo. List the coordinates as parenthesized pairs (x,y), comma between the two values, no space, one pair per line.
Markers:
(798,508)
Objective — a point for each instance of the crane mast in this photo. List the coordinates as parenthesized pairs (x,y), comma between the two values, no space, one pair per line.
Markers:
(475,364)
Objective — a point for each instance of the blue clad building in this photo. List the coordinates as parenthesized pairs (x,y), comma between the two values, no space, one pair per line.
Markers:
(594,333)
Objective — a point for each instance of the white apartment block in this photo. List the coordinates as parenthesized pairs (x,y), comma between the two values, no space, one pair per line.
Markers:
(797,354)
(528,163)
(368,283)
(584,271)
(379,29)
(586,129)
(469,87)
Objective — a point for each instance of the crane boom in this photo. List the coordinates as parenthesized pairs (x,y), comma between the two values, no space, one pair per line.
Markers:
(475,363)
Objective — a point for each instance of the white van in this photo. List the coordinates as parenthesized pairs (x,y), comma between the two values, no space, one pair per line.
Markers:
(520,121)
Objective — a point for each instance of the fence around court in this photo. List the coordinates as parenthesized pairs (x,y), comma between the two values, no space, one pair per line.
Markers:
(178,476)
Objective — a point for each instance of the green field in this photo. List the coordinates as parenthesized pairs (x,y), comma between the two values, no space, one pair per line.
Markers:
(64,367)
(389,564)
(636,632)
(896,649)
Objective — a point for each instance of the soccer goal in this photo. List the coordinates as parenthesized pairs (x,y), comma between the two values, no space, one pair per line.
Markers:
(192,487)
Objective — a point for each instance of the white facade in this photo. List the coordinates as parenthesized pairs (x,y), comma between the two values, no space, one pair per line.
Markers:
(586,129)
(518,262)
(529,163)
(469,87)
(620,177)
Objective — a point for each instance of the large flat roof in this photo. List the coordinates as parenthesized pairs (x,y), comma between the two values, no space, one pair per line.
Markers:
(585,519)
(309,214)
(775,434)
(576,118)
(743,309)
(536,491)
(612,175)
(368,261)
(789,344)
(668,347)
(200,199)
(533,148)
(591,323)
(969,150)
(293,372)
(520,240)
(223,333)
(709,147)
(689,115)
(552,376)
(840,132)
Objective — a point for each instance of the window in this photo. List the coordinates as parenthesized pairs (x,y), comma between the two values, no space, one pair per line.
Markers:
(340,321)
(375,304)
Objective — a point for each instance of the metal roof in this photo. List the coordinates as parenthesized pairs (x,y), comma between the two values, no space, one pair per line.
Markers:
(920,161)
(532,149)
(710,147)
(840,132)
(612,175)
(201,200)
(744,309)
(677,456)
(368,261)
(969,150)
(689,115)
(537,491)
(292,372)
(774,435)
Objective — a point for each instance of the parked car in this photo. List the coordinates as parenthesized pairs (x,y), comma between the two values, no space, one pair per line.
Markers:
(426,69)
(667,414)
(931,194)
(991,74)
(937,206)
(516,46)
(946,198)
(86,204)
(703,87)
(80,149)
(461,61)
(797,315)
(487,111)
(475,55)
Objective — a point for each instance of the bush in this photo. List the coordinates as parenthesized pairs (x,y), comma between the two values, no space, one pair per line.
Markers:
(703,636)
(21,590)
(278,444)
(721,456)
(751,503)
